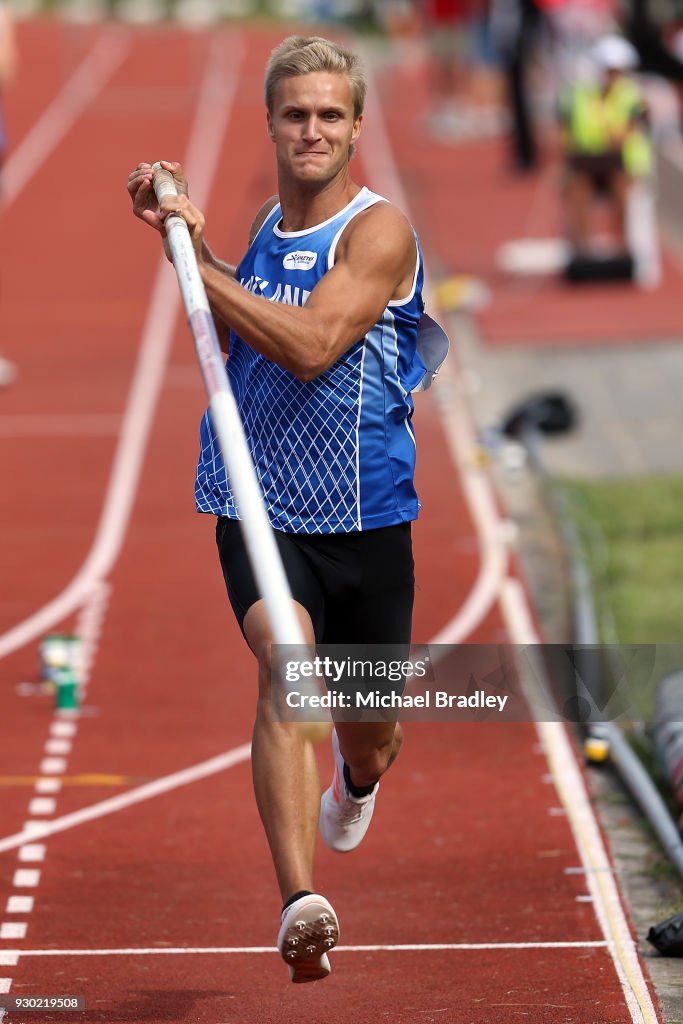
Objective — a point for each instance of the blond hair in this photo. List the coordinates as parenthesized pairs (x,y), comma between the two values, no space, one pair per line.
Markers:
(303,55)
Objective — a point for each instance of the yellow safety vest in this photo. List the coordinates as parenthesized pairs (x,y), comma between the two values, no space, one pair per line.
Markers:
(594,117)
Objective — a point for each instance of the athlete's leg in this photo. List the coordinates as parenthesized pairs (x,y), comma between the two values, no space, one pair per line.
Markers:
(379,617)
(620,184)
(284,768)
(578,198)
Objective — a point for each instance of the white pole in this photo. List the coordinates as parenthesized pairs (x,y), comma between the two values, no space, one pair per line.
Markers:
(264,556)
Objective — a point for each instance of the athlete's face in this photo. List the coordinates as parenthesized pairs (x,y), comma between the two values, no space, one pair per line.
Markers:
(313,125)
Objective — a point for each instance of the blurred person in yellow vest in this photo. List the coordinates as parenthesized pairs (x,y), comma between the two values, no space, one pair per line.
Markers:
(605,139)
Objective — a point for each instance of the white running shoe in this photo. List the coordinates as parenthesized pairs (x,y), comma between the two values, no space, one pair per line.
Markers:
(344,819)
(309,931)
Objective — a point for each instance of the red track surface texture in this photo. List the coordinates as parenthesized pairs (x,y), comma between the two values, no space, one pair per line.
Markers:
(471,845)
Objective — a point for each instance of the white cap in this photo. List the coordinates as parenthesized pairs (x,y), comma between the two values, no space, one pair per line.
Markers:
(615,53)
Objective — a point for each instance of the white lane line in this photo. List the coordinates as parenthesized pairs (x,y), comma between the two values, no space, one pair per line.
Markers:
(35,827)
(598,871)
(19,905)
(42,805)
(48,785)
(9,959)
(519,621)
(585,870)
(57,746)
(88,80)
(26,878)
(492,533)
(32,853)
(118,803)
(13,930)
(89,626)
(571,790)
(20,426)
(89,590)
(63,728)
(410,947)
(214,107)
(381,169)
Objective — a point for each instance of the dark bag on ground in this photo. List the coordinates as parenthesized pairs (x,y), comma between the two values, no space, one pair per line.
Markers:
(583,269)
(667,937)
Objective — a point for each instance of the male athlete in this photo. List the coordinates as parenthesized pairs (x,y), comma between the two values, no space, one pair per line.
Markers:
(320,323)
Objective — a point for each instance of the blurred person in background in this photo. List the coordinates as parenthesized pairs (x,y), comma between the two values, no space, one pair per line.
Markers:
(605,141)
(8,64)
(486,79)
(655,31)
(446,32)
(575,25)
(516,26)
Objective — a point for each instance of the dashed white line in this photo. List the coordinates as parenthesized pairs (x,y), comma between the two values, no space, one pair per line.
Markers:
(48,786)
(26,878)
(58,746)
(35,828)
(52,766)
(19,905)
(89,590)
(42,805)
(32,853)
(62,728)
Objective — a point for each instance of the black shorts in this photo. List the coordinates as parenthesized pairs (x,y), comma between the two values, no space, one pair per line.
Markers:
(599,168)
(357,587)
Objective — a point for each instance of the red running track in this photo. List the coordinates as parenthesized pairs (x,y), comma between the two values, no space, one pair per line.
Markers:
(166,910)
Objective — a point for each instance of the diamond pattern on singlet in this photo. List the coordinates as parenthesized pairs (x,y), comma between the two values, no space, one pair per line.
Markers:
(303,439)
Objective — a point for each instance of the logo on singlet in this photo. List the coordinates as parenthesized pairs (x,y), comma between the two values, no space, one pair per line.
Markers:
(302,259)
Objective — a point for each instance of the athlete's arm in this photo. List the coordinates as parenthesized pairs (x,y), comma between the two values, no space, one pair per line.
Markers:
(223,328)
(375,263)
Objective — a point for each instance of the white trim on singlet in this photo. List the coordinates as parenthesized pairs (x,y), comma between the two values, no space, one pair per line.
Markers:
(316,227)
(397,375)
(274,210)
(411,293)
(359,520)
(372,200)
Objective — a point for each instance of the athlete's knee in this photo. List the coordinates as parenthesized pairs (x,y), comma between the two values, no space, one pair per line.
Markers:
(259,636)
